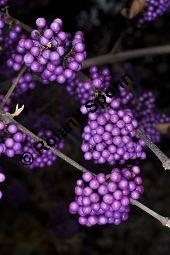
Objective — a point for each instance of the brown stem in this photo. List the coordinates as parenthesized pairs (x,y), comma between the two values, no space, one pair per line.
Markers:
(110,58)
(10,91)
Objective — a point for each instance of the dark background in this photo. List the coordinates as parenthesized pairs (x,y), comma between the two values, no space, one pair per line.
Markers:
(34,209)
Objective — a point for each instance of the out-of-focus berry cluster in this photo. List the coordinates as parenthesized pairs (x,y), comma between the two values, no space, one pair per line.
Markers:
(3,3)
(149,116)
(9,35)
(47,158)
(85,90)
(25,83)
(153,9)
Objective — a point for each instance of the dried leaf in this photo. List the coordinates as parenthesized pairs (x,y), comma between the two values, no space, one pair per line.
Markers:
(163,128)
(17,111)
(136,7)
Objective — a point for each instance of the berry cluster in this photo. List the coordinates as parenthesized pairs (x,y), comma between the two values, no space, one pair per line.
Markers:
(125,96)
(100,200)
(148,125)
(145,104)
(153,9)
(11,139)
(47,158)
(25,83)
(110,135)
(9,35)
(148,116)
(85,90)
(50,52)
(12,37)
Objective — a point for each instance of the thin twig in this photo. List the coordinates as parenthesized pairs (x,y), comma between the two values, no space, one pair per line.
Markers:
(154,148)
(110,58)
(164,220)
(10,91)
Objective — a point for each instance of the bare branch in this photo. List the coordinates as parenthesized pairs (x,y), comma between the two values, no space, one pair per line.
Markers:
(164,220)
(110,58)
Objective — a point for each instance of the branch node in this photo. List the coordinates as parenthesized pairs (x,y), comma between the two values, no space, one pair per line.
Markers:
(167,224)
(17,111)
(166,164)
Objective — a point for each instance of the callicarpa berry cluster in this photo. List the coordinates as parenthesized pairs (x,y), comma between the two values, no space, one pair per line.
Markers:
(47,158)
(82,91)
(9,37)
(110,135)
(153,9)
(25,83)
(101,200)
(50,52)
(149,116)
(11,139)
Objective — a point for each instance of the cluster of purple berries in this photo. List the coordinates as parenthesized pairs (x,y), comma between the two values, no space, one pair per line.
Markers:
(47,158)
(153,9)
(2,179)
(100,200)
(148,116)
(11,139)
(110,135)
(148,125)
(145,104)
(85,90)
(8,37)
(50,52)
(25,83)
(125,96)
(13,36)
